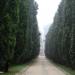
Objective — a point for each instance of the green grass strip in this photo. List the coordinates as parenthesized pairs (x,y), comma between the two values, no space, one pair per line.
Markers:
(67,69)
(14,69)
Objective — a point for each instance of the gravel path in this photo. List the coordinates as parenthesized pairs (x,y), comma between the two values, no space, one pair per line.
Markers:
(42,67)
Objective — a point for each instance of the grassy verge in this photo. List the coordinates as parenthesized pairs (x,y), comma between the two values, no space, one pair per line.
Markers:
(15,69)
(64,68)
(69,70)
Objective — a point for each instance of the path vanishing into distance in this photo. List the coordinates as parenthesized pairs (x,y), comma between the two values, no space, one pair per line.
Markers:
(42,66)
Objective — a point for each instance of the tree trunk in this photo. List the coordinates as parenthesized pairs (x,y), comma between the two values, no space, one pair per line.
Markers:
(6,66)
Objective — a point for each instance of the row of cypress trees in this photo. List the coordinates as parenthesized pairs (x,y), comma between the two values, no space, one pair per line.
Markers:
(60,39)
(19,35)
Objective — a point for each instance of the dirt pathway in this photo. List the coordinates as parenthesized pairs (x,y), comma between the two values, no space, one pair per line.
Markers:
(42,67)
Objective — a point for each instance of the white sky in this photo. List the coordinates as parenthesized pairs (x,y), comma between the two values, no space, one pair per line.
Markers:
(46,12)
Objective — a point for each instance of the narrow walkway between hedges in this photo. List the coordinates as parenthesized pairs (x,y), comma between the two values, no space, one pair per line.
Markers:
(43,67)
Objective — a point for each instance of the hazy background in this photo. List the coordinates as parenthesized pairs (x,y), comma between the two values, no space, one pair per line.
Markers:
(46,12)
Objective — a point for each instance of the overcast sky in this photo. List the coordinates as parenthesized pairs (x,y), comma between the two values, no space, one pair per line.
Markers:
(46,12)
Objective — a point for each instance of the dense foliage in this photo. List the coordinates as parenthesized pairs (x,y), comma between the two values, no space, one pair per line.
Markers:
(60,39)
(19,35)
